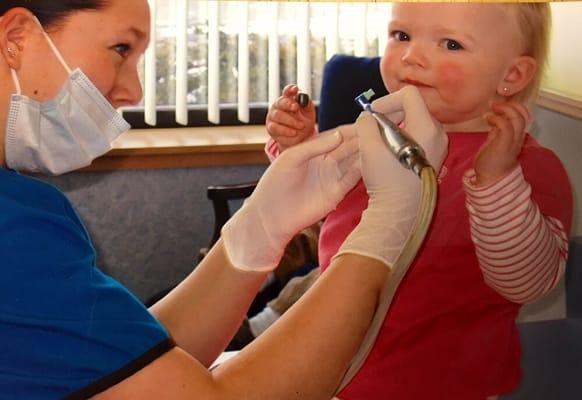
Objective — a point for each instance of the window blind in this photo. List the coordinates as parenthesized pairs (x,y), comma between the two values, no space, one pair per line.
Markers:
(217,54)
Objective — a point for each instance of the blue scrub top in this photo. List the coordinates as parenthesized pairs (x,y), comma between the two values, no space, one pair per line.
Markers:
(66,329)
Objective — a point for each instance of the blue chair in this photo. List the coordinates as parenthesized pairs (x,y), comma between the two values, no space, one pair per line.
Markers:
(344,78)
(552,350)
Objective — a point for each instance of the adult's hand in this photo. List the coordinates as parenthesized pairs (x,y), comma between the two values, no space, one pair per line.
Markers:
(407,107)
(298,189)
(394,192)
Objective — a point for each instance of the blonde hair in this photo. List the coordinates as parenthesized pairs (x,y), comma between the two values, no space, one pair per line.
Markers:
(534,24)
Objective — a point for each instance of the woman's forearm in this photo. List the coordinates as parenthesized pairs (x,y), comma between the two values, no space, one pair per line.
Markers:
(205,310)
(305,353)
(302,356)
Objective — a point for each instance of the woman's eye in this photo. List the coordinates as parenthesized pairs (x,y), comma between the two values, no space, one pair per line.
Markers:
(122,49)
(400,36)
(451,44)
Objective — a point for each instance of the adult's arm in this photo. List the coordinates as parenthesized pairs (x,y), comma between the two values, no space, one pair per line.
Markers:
(302,356)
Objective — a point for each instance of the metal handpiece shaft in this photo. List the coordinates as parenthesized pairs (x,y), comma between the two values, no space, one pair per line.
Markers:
(406,150)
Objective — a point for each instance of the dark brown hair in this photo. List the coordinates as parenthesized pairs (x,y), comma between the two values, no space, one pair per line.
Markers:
(50,12)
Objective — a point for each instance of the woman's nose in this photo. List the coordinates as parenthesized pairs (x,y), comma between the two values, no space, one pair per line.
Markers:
(127,90)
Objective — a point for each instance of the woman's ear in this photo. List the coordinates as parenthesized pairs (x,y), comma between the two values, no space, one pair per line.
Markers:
(519,74)
(15,27)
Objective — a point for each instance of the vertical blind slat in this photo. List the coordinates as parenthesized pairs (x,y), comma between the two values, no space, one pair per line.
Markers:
(213,63)
(243,63)
(273,65)
(332,34)
(361,45)
(182,62)
(150,81)
(303,48)
(381,26)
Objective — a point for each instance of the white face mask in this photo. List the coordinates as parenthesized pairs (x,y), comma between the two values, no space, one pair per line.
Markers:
(63,134)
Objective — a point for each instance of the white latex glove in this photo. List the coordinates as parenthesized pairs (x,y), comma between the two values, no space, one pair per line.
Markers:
(298,189)
(407,105)
(394,191)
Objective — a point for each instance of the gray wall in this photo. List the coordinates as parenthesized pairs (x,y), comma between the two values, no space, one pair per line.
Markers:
(148,225)
(563,134)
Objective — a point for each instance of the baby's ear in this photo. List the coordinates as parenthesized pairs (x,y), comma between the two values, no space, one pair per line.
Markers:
(519,74)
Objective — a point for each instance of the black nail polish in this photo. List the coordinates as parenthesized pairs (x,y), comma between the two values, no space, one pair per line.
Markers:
(302,99)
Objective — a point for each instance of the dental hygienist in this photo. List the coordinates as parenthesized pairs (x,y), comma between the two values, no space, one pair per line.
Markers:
(69,331)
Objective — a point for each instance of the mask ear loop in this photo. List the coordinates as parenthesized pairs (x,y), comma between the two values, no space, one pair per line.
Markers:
(16,81)
(56,51)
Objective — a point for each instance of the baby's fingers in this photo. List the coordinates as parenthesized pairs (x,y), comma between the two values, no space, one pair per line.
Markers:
(277,129)
(516,114)
(290,90)
(501,138)
(285,103)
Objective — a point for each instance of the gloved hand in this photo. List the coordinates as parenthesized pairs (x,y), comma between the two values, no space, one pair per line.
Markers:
(407,106)
(394,192)
(298,189)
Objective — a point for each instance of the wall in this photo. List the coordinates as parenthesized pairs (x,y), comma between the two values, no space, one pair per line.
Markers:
(148,225)
(563,135)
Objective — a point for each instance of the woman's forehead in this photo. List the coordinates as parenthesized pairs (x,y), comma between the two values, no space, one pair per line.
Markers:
(118,17)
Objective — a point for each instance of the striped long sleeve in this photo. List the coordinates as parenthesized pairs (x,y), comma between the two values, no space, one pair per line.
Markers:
(521,252)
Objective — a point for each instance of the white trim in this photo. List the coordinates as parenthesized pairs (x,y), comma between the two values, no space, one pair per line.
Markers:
(182,62)
(150,81)
(561,103)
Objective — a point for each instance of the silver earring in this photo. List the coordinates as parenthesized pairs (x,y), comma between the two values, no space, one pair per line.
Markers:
(505,90)
(11,52)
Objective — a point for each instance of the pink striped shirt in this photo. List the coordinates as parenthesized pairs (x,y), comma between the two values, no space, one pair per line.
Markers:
(522,254)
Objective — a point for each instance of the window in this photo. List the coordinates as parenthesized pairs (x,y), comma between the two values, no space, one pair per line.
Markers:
(222,62)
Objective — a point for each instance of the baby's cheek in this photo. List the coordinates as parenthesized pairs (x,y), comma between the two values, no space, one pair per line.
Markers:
(388,70)
(451,79)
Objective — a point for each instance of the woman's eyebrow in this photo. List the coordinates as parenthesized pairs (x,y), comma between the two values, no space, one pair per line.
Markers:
(138,33)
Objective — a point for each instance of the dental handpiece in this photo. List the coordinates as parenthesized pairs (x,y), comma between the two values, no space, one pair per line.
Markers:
(406,150)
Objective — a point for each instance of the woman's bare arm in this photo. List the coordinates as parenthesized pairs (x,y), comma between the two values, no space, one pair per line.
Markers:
(303,355)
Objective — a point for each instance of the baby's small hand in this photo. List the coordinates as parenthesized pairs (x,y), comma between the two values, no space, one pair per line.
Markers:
(498,156)
(288,123)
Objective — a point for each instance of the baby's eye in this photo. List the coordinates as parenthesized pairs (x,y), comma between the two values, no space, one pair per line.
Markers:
(122,49)
(451,44)
(400,36)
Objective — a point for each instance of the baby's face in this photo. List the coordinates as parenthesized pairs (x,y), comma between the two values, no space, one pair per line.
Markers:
(456,54)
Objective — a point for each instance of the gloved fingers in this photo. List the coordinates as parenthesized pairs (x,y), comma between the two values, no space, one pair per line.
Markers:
(349,165)
(381,170)
(348,131)
(431,136)
(349,145)
(406,105)
(372,147)
(349,173)
(320,145)
(392,105)
(423,128)
(418,122)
